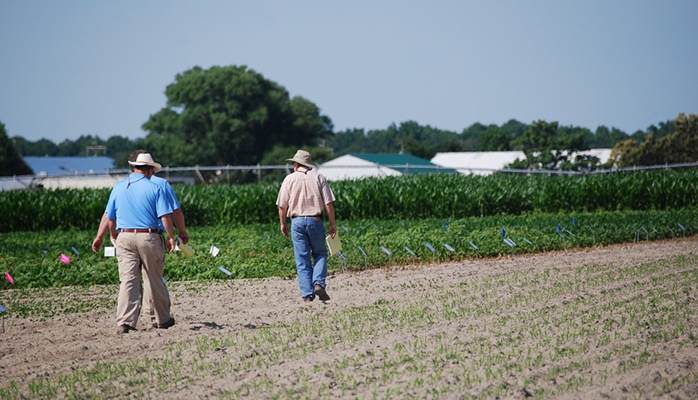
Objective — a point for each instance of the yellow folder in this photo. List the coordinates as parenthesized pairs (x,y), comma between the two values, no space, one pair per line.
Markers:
(333,245)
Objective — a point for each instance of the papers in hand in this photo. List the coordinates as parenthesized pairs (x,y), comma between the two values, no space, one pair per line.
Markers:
(333,245)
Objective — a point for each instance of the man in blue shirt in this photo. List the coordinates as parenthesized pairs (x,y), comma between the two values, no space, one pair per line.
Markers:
(177,217)
(134,208)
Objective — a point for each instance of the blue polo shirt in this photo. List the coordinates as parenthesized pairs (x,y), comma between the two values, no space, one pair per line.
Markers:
(171,196)
(137,203)
(169,191)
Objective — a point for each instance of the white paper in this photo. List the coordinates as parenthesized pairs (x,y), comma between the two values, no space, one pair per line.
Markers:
(215,250)
(109,251)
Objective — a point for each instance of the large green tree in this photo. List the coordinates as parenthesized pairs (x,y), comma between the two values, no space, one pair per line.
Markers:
(230,115)
(681,146)
(546,149)
(10,161)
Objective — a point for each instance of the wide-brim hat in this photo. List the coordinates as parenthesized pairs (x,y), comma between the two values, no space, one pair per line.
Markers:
(302,157)
(146,159)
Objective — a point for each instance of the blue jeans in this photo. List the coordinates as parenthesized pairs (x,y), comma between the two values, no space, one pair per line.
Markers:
(308,235)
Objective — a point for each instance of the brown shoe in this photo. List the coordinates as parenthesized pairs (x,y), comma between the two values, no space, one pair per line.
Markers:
(321,293)
(308,299)
(125,329)
(167,324)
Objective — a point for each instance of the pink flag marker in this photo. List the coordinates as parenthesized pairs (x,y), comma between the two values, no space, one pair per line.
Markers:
(65,259)
(9,278)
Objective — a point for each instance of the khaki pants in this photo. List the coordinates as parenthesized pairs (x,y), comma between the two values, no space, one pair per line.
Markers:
(133,251)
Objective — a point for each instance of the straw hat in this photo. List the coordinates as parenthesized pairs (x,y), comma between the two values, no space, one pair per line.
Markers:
(302,157)
(146,159)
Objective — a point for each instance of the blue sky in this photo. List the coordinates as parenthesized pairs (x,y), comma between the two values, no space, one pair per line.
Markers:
(71,68)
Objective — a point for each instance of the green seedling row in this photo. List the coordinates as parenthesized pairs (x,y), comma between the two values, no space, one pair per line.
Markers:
(33,259)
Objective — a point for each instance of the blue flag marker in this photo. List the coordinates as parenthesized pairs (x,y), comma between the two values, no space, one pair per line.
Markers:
(504,233)
(362,251)
(574,222)
(558,228)
(445,226)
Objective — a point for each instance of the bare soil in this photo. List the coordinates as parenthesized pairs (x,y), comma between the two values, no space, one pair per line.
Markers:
(32,349)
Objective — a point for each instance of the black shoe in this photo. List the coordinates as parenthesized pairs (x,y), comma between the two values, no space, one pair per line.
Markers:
(125,329)
(321,293)
(167,324)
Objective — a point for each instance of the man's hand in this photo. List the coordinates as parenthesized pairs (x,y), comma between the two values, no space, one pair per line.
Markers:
(184,236)
(333,229)
(284,228)
(96,244)
(170,244)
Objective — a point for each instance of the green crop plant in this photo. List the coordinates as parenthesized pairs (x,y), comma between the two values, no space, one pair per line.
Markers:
(391,198)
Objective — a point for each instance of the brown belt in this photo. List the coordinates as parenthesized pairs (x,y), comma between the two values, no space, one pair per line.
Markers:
(150,230)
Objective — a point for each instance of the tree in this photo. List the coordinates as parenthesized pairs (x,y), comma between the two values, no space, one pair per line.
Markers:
(545,149)
(10,162)
(230,116)
(40,148)
(678,147)
(494,139)
(514,128)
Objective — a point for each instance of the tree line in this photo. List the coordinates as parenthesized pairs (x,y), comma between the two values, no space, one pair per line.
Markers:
(233,115)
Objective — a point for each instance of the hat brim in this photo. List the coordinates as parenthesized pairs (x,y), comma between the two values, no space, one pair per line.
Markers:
(156,167)
(309,165)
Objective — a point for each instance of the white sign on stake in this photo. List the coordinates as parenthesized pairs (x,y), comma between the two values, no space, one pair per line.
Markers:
(386,251)
(528,241)
(572,234)
(225,271)
(76,250)
(340,255)
(473,245)
(2,309)
(430,247)
(449,248)
(681,226)
(215,250)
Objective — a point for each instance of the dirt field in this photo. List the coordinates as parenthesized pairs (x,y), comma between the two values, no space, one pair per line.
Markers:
(614,322)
